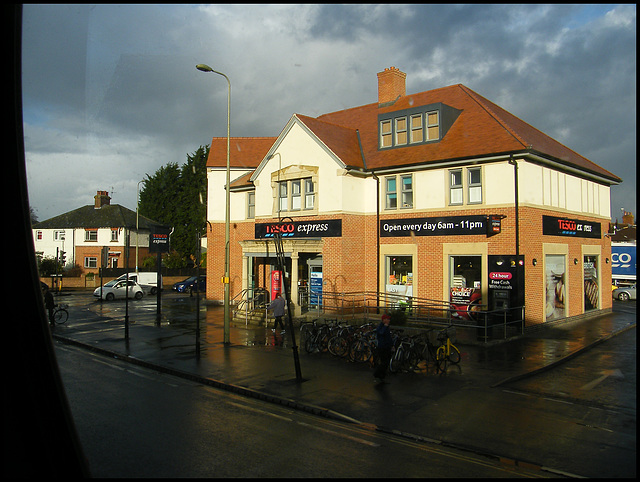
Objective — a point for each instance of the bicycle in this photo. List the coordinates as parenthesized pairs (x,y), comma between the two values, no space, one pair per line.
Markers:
(60,314)
(319,336)
(405,356)
(447,351)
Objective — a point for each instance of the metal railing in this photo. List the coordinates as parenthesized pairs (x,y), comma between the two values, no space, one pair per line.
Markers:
(423,313)
(473,320)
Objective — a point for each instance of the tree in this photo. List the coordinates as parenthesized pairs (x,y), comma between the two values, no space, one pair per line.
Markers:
(176,197)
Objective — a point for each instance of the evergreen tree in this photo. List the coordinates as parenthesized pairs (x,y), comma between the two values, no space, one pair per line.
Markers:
(176,197)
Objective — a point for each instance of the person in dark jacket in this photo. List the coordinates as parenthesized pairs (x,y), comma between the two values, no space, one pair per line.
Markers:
(277,305)
(385,344)
(49,303)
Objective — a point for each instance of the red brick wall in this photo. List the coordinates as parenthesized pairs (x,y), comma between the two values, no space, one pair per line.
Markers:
(350,261)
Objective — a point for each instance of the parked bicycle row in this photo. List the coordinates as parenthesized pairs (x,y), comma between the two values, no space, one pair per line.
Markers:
(359,344)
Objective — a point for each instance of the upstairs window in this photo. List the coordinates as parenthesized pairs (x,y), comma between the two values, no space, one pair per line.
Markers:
(465,186)
(392,193)
(475,185)
(91,235)
(296,195)
(410,127)
(406,191)
(251,205)
(417,134)
(401,131)
(433,125)
(309,194)
(455,186)
(385,133)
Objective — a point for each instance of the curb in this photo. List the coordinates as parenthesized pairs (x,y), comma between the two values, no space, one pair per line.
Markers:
(566,358)
(248,392)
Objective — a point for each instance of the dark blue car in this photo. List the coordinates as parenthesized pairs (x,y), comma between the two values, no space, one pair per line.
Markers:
(189,285)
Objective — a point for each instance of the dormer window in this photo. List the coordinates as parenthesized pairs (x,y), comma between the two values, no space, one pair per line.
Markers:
(410,129)
(415,126)
(385,133)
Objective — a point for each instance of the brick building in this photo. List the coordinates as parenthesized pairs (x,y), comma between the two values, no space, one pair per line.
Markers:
(438,195)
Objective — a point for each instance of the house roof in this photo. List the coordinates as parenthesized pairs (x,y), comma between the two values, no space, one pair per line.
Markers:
(481,129)
(88,217)
(626,234)
(245,152)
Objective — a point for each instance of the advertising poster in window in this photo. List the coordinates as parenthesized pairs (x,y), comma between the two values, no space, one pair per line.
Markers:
(465,302)
(591,286)
(555,288)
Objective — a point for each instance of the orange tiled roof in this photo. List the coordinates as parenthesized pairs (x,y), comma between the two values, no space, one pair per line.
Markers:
(482,129)
(246,152)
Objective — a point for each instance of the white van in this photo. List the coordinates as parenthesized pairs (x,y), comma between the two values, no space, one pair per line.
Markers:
(147,281)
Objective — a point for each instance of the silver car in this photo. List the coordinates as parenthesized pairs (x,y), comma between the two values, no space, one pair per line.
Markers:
(625,294)
(116,289)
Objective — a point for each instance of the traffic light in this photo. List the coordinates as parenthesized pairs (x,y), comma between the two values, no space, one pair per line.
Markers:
(63,258)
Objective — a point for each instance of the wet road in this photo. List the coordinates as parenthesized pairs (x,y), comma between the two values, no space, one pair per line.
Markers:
(135,422)
(581,420)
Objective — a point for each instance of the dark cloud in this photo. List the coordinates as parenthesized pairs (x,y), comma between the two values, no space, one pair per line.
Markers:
(118,84)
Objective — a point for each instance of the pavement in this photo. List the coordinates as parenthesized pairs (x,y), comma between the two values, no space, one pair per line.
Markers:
(424,405)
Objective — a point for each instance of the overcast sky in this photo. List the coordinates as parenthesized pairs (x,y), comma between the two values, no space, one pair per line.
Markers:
(111,92)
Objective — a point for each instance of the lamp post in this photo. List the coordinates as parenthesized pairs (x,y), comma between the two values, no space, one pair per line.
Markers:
(225,280)
(138,221)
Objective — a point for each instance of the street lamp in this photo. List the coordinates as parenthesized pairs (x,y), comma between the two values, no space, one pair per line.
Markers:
(138,221)
(225,280)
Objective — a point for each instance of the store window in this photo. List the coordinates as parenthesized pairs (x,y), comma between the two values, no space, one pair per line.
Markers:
(465,271)
(399,275)
(555,286)
(591,285)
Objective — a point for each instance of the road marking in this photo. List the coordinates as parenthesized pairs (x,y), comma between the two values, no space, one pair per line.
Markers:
(343,435)
(605,374)
(262,412)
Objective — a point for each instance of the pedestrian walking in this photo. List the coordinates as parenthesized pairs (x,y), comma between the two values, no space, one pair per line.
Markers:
(385,344)
(277,305)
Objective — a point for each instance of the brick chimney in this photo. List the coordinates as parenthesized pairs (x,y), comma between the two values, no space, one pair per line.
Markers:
(102,199)
(391,85)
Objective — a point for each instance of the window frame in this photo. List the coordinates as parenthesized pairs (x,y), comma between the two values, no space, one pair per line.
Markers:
(386,137)
(467,191)
(399,193)
(400,131)
(456,187)
(89,261)
(429,126)
(88,235)
(413,130)
(475,186)
(251,205)
(288,203)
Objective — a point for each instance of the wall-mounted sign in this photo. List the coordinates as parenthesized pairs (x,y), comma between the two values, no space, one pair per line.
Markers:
(494,226)
(300,229)
(441,226)
(570,227)
(159,240)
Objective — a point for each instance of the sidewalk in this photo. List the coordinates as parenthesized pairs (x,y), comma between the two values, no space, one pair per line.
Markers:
(258,363)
